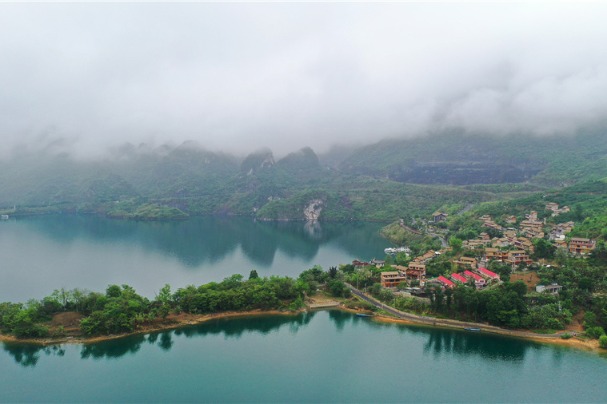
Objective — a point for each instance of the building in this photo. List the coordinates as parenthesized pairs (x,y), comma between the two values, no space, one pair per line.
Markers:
(495,254)
(554,207)
(581,245)
(553,289)
(466,262)
(439,217)
(391,279)
(517,257)
(479,281)
(426,257)
(416,271)
(459,278)
(446,282)
(360,264)
(378,263)
(488,274)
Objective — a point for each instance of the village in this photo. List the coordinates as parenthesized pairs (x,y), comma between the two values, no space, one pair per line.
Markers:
(469,265)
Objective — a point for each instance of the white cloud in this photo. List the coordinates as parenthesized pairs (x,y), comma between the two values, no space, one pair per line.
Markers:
(242,76)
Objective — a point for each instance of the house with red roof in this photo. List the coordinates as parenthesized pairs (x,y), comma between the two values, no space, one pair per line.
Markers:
(459,278)
(446,282)
(488,274)
(478,280)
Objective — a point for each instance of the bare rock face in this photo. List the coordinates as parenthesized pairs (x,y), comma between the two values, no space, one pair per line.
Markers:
(256,161)
(313,209)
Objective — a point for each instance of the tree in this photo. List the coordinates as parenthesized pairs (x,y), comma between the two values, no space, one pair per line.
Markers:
(455,243)
(165,300)
(253,274)
(338,288)
(543,248)
(332,272)
(113,291)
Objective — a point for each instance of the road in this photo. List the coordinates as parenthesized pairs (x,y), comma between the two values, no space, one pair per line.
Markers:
(446,322)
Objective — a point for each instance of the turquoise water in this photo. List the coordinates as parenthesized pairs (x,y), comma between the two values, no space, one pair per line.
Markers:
(326,356)
(40,254)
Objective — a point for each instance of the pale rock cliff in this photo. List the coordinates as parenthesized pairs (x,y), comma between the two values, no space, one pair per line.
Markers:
(313,209)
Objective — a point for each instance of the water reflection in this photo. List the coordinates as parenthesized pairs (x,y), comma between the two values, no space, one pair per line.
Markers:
(210,239)
(437,341)
(461,343)
(130,345)
(27,355)
(236,327)
(464,344)
(113,348)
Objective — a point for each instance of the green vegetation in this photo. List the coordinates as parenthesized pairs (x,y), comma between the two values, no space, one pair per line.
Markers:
(456,158)
(383,182)
(147,211)
(121,310)
(405,236)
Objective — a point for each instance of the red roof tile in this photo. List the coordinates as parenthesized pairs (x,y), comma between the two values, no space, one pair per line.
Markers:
(488,273)
(473,275)
(446,281)
(459,278)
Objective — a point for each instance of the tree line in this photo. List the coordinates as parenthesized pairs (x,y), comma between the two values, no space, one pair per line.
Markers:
(121,310)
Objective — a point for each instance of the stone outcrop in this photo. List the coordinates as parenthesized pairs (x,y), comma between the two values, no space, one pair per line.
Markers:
(313,209)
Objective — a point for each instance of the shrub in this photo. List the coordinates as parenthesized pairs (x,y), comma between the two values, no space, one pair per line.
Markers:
(595,332)
(603,341)
(566,336)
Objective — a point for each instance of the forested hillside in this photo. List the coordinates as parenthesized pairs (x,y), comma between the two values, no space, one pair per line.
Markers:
(459,159)
(385,181)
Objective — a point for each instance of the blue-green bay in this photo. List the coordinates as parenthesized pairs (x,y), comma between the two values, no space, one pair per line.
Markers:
(40,254)
(327,356)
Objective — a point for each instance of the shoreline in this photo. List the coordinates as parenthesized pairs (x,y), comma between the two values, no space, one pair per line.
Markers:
(589,345)
(176,321)
(185,320)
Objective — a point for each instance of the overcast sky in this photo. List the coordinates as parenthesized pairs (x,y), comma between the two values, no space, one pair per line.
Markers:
(238,77)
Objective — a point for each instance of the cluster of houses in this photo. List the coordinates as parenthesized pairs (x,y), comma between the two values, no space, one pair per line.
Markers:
(415,271)
(519,240)
(530,227)
(554,207)
(480,277)
(513,248)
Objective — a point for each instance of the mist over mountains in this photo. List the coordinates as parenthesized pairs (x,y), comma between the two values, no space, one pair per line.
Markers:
(82,77)
(368,182)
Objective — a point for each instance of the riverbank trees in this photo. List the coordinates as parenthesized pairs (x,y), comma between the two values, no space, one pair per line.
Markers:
(121,310)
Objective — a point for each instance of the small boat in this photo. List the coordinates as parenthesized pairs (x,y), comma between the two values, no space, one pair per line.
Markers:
(472,329)
(363,315)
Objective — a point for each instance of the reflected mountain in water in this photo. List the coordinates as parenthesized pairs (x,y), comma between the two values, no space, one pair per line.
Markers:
(207,240)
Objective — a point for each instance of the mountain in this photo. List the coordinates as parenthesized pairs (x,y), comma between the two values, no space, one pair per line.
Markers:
(459,159)
(383,181)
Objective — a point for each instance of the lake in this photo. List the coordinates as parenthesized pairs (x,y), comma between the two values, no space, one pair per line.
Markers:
(319,356)
(325,356)
(40,254)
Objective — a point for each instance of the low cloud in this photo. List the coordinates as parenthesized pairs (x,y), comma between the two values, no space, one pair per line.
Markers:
(237,77)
